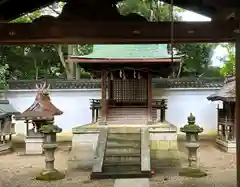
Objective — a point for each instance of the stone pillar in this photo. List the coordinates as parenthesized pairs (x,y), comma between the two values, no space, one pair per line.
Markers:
(192,144)
(49,146)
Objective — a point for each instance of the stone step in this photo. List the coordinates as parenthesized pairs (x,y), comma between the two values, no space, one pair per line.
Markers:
(124,159)
(123,142)
(123,145)
(122,151)
(124,137)
(120,175)
(123,154)
(122,169)
(136,162)
(124,130)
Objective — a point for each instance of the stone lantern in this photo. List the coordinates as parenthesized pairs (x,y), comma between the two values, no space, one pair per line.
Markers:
(49,145)
(37,115)
(192,144)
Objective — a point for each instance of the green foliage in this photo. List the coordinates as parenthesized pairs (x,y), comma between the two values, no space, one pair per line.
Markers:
(28,18)
(196,59)
(3,73)
(229,62)
(43,61)
(152,10)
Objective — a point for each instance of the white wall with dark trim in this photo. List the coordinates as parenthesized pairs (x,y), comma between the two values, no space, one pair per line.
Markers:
(75,105)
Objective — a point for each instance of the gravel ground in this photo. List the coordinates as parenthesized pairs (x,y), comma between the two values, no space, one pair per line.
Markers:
(19,171)
(220,167)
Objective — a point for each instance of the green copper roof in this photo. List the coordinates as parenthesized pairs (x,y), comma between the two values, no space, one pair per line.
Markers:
(129,51)
(7,108)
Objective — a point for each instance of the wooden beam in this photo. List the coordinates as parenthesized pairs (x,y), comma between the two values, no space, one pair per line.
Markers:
(237,107)
(103,96)
(149,97)
(56,32)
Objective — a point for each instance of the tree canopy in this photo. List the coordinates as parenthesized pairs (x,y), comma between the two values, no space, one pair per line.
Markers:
(51,61)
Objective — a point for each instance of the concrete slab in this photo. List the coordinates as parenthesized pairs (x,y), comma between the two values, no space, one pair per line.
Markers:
(137,182)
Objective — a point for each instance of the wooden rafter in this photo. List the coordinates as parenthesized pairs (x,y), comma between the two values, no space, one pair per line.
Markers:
(56,32)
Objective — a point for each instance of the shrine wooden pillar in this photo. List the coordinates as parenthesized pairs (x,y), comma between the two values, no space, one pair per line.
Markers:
(109,87)
(149,97)
(237,116)
(103,96)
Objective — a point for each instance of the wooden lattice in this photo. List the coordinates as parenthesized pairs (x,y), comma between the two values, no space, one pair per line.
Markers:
(131,91)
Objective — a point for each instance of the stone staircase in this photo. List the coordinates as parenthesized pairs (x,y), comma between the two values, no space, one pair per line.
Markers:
(122,158)
(123,115)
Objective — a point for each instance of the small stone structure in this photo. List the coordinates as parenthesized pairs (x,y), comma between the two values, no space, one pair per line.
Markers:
(85,138)
(49,145)
(7,128)
(192,144)
(38,114)
(84,143)
(226,128)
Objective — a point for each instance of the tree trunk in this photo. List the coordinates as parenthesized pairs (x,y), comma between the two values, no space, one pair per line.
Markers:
(77,72)
(36,68)
(64,63)
(180,69)
(70,64)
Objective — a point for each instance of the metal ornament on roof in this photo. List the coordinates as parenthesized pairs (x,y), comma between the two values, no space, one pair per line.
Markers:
(120,73)
(111,76)
(124,75)
(139,76)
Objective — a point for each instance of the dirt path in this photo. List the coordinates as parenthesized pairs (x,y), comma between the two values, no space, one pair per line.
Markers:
(19,171)
(220,167)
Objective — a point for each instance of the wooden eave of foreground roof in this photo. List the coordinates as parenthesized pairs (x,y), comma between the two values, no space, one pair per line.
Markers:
(109,61)
(210,8)
(57,32)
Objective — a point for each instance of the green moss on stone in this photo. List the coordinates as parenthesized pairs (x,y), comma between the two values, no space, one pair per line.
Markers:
(191,128)
(50,175)
(192,172)
(50,129)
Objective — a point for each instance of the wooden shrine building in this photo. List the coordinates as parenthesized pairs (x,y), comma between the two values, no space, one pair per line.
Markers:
(226,129)
(7,127)
(126,80)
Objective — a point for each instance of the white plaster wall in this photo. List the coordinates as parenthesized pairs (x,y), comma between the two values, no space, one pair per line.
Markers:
(181,102)
(75,105)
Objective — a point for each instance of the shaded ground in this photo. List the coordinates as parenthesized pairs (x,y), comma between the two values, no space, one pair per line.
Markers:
(220,167)
(19,171)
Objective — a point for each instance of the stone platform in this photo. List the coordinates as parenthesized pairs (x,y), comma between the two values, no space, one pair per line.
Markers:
(163,136)
(229,146)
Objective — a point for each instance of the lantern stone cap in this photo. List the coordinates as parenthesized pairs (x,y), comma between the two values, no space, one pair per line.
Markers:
(50,129)
(191,127)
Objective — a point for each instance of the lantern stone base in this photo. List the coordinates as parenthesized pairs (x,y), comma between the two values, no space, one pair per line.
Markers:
(192,172)
(84,143)
(33,145)
(5,147)
(50,175)
(163,137)
(227,146)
